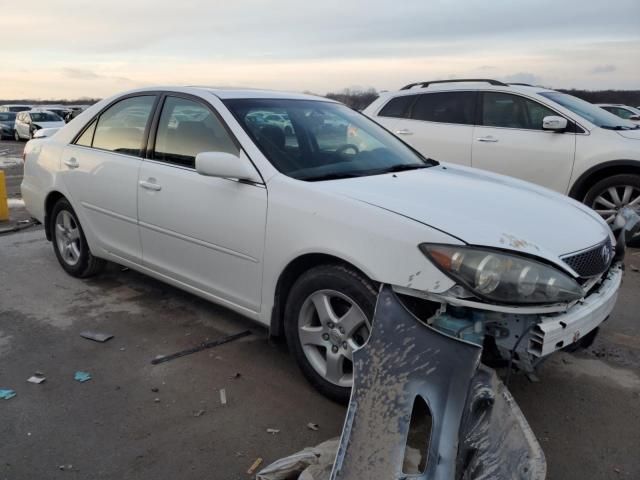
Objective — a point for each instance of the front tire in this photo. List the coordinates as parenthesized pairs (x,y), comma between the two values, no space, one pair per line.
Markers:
(327,316)
(69,243)
(611,194)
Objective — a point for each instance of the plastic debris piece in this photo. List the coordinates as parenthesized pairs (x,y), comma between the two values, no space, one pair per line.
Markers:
(221,341)
(254,466)
(6,393)
(273,431)
(36,378)
(634,268)
(312,463)
(236,375)
(82,376)
(313,426)
(199,413)
(96,336)
(156,400)
(223,396)
(155,389)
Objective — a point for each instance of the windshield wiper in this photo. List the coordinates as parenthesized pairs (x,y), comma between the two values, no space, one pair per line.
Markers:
(399,168)
(330,176)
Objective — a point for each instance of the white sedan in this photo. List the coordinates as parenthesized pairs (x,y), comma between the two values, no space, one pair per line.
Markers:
(298,231)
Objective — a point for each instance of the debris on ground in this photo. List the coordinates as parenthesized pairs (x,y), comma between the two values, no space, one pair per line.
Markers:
(65,467)
(313,426)
(36,378)
(203,346)
(6,393)
(199,413)
(223,396)
(273,431)
(312,463)
(634,268)
(155,389)
(254,466)
(96,336)
(156,400)
(235,375)
(82,376)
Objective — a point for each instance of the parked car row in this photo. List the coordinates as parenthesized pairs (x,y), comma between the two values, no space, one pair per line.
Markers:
(203,189)
(22,122)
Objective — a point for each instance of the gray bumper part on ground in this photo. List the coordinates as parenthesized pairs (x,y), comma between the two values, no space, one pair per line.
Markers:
(476,429)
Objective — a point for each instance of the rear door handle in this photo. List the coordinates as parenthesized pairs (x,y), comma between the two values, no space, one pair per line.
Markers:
(488,139)
(71,163)
(404,131)
(150,185)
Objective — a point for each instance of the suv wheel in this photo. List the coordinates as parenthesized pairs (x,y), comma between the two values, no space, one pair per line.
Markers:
(611,194)
(70,244)
(327,316)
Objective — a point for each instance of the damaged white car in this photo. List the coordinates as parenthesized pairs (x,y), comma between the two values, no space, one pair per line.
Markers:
(297,227)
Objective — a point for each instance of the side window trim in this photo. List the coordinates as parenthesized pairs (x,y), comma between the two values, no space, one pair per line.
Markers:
(154,124)
(573,127)
(96,118)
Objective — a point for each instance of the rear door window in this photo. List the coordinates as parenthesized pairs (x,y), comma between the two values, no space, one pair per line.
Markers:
(121,127)
(187,128)
(398,107)
(446,107)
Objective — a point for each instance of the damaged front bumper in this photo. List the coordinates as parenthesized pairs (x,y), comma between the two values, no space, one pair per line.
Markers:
(525,335)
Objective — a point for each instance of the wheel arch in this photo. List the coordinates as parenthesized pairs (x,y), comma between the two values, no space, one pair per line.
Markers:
(50,201)
(290,274)
(598,172)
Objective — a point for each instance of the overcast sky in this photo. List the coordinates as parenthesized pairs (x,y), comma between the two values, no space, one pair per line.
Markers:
(64,48)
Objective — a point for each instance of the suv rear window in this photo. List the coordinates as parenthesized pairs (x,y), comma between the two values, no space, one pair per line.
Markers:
(398,107)
(446,107)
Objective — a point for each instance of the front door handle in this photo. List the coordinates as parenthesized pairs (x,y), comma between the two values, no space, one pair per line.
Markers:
(404,131)
(488,139)
(71,163)
(150,185)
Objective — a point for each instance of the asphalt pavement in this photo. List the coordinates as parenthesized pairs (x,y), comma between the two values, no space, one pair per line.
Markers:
(135,420)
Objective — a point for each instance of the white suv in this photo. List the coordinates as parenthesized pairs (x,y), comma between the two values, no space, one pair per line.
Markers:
(533,133)
(622,111)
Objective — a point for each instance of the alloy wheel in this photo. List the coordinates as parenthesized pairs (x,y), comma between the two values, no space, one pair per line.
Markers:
(612,199)
(68,238)
(330,327)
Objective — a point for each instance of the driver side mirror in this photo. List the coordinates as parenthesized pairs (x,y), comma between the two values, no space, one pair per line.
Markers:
(226,165)
(554,123)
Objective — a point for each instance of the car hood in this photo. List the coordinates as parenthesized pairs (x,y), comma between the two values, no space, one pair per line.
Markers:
(49,124)
(482,208)
(632,134)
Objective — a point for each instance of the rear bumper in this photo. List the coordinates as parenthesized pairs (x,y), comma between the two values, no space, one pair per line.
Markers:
(554,332)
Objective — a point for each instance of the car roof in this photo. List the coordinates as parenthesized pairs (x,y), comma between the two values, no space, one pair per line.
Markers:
(229,93)
(470,85)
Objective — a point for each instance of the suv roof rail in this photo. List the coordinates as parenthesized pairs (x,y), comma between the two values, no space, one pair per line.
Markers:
(456,80)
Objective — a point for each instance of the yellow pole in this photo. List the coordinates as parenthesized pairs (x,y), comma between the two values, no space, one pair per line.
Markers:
(4,206)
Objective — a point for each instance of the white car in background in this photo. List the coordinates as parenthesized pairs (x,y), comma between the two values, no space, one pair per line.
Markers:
(532,133)
(184,184)
(622,111)
(30,121)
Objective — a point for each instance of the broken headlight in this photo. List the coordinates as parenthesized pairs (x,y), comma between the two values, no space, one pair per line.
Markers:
(501,277)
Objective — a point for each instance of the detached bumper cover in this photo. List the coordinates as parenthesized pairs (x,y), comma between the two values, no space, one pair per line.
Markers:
(555,332)
(477,430)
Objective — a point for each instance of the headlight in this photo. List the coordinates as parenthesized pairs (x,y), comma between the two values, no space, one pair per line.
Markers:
(501,277)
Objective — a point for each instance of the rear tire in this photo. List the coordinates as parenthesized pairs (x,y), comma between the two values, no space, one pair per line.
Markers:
(610,194)
(322,340)
(69,243)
